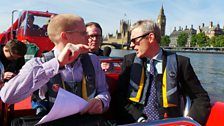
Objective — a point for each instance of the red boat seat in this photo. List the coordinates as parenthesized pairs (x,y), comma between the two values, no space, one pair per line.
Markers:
(216,117)
(112,80)
(22,108)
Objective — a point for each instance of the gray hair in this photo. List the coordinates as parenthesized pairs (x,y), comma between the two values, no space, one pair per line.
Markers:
(147,26)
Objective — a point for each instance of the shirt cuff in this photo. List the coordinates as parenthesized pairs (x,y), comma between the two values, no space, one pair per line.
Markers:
(51,67)
(104,101)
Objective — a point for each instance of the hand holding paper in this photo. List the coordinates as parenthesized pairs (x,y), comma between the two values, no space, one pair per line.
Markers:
(95,106)
(66,104)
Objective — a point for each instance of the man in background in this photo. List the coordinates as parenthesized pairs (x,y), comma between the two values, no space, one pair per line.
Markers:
(12,57)
(11,61)
(30,23)
(95,39)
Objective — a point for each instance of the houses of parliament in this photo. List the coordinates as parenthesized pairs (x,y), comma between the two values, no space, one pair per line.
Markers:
(123,35)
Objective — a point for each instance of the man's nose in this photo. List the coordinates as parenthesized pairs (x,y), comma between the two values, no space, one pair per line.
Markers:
(132,45)
(94,38)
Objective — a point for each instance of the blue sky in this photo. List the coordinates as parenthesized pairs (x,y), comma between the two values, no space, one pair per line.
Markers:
(109,12)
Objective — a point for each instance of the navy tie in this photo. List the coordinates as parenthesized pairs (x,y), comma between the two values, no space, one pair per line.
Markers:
(151,109)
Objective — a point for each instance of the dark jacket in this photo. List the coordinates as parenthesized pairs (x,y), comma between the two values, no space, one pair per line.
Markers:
(99,52)
(129,112)
(11,65)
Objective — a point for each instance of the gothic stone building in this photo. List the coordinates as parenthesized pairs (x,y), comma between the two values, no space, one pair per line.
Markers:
(161,21)
(123,36)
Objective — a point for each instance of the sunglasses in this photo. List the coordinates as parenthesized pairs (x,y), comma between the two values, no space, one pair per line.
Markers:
(134,40)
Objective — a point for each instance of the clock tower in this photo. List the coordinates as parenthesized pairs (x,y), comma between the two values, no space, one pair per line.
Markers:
(161,21)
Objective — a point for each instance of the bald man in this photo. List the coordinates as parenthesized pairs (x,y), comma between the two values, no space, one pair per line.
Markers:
(72,65)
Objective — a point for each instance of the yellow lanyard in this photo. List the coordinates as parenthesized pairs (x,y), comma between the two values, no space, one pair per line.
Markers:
(84,90)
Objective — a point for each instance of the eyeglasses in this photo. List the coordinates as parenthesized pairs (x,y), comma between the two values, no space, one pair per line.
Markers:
(94,36)
(80,32)
(134,40)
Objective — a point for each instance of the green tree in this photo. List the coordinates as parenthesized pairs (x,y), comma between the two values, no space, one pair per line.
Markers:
(219,41)
(165,40)
(202,39)
(193,40)
(182,39)
(212,42)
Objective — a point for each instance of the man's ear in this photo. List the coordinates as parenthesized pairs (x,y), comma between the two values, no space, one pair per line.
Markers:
(6,49)
(151,36)
(63,36)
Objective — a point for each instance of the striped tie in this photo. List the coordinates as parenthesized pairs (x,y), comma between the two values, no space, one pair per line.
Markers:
(151,109)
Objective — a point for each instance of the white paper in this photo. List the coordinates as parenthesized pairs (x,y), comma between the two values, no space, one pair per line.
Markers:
(66,104)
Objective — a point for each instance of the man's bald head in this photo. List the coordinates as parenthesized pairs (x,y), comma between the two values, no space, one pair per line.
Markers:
(61,23)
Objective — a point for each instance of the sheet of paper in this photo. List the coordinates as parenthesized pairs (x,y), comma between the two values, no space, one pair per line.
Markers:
(66,104)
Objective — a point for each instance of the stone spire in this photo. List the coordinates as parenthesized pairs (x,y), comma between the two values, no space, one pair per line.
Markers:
(161,21)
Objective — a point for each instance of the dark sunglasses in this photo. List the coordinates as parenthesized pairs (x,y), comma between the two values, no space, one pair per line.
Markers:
(141,36)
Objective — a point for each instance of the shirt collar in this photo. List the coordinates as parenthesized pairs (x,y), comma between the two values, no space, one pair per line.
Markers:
(56,52)
(158,56)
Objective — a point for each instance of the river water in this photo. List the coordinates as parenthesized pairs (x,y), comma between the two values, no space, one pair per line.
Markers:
(208,67)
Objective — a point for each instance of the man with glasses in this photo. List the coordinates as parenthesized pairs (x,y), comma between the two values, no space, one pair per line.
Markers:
(95,40)
(76,71)
(153,81)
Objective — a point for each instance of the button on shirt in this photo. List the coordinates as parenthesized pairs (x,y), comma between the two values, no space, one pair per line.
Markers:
(35,74)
